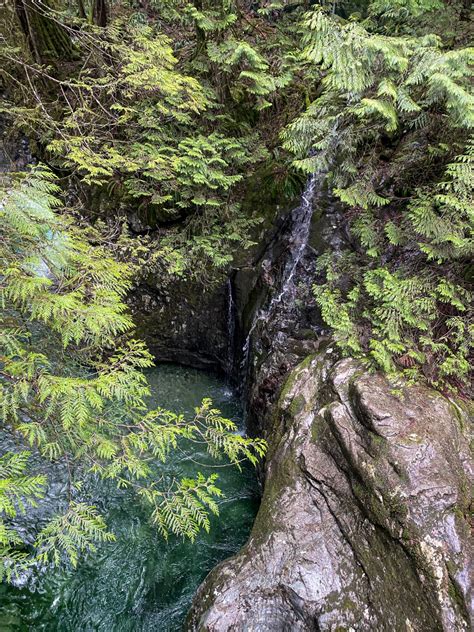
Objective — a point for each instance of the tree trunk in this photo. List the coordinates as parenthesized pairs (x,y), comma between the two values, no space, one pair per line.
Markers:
(200,34)
(47,39)
(466,11)
(101,12)
(81,9)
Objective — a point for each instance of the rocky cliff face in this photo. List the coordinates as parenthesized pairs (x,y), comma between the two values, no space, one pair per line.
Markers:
(183,321)
(364,518)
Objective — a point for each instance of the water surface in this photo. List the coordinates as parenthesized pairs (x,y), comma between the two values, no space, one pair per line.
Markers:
(141,583)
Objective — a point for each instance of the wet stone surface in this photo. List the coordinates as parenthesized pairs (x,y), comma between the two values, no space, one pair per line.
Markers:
(364,519)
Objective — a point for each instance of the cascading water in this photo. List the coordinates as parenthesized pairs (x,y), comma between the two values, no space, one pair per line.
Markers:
(230,326)
(297,243)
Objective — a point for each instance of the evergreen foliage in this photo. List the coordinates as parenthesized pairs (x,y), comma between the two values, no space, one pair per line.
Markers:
(16,491)
(171,110)
(72,386)
(131,116)
(395,110)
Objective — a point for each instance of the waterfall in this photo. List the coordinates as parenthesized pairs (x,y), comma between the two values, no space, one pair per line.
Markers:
(298,240)
(230,325)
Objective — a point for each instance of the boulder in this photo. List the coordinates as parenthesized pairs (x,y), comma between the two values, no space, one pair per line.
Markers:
(364,521)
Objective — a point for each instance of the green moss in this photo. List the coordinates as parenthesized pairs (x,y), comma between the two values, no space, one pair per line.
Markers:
(316,428)
(348,604)
(377,510)
(297,405)
(307,361)
(462,411)
(454,592)
(288,385)
(298,402)
(405,535)
(378,445)
(280,479)
(398,508)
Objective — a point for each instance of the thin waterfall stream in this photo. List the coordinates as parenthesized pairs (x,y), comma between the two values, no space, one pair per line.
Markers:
(301,218)
(231,315)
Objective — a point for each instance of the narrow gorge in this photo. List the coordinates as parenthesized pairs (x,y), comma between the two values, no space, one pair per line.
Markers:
(364,520)
(236,315)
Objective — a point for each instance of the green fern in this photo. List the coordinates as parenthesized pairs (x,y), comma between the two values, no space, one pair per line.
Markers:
(82,398)
(71,534)
(386,89)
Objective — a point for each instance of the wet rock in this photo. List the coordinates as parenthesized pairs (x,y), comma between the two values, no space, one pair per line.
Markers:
(183,321)
(364,519)
(278,320)
(202,323)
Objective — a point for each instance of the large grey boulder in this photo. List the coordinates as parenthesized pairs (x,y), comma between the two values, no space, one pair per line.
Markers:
(364,519)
